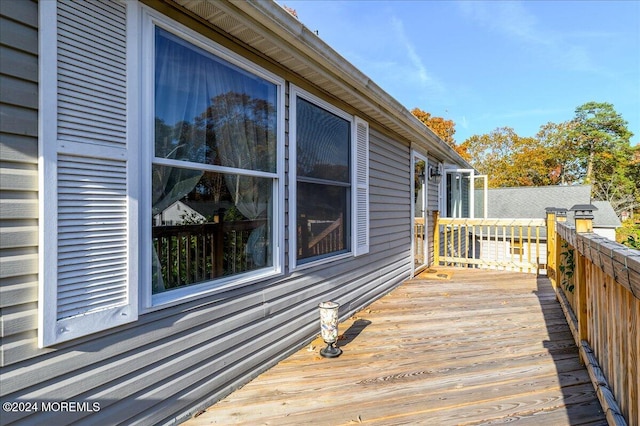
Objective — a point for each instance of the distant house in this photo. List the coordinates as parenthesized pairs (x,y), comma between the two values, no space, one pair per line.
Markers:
(605,220)
(286,177)
(530,203)
(178,213)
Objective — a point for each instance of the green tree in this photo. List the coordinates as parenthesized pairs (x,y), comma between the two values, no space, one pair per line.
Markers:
(633,173)
(601,138)
(558,154)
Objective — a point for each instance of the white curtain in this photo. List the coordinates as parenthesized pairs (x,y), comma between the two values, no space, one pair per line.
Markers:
(241,138)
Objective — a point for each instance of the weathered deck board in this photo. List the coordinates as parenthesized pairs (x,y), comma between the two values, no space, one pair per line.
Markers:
(481,347)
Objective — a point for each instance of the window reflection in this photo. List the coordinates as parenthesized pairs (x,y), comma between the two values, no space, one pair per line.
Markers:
(212,231)
(322,218)
(209,113)
(323,145)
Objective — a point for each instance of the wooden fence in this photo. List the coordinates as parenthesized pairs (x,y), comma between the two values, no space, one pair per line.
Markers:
(598,285)
(504,244)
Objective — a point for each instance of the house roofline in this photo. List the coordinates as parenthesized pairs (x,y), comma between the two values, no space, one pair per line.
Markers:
(266,23)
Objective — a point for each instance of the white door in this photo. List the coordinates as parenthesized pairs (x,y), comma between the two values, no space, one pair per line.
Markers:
(465,194)
(419,212)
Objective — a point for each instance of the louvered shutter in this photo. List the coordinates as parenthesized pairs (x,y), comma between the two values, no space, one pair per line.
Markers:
(88,255)
(361,188)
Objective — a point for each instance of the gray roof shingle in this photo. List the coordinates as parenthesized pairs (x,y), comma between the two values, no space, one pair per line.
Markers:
(530,202)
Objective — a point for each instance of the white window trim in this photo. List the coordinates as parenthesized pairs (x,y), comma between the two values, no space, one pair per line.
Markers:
(151,302)
(460,171)
(420,156)
(294,93)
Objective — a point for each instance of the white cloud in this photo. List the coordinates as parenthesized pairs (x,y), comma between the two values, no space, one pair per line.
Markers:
(428,86)
(414,59)
(463,122)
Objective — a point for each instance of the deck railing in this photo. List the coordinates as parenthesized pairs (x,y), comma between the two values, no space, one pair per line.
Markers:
(503,244)
(597,282)
(419,240)
(192,253)
(598,285)
(320,237)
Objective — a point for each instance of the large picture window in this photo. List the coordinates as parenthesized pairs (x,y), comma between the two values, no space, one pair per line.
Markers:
(214,169)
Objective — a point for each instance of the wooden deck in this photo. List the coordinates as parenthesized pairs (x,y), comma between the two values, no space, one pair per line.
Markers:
(483,347)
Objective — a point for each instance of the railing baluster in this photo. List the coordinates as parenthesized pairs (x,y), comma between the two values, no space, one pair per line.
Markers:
(520,236)
(473,242)
(537,250)
(493,243)
(529,244)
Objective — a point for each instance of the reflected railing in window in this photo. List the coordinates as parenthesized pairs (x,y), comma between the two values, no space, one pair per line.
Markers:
(190,254)
(318,237)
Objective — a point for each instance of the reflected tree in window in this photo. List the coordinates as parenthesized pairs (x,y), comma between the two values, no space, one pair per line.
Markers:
(214,167)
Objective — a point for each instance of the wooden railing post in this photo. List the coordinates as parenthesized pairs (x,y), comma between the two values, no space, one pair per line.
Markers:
(584,224)
(561,217)
(436,238)
(552,267)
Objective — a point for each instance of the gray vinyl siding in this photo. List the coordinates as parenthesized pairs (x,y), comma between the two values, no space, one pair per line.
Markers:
(186,356)
(198,352)
(18,179)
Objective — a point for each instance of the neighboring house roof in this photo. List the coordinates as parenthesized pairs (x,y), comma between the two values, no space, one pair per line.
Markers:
(605,216)
(531,202)
(208,208)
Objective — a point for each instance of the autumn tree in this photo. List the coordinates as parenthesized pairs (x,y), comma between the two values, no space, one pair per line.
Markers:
(592,148)
(511,160)
(445,129)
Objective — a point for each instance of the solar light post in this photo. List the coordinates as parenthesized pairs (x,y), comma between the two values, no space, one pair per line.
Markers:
(329,328)
(583,217)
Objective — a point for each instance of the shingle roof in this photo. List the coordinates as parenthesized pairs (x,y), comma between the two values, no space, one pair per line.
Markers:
(605,216)
(530,202)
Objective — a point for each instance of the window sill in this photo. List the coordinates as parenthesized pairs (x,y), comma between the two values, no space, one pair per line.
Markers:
(324,260)
(199,291)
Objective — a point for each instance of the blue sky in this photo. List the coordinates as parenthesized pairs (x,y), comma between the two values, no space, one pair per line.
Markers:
(490,64)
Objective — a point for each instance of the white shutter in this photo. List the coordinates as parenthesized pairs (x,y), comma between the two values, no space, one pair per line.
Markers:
(87,217)
(361,188)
